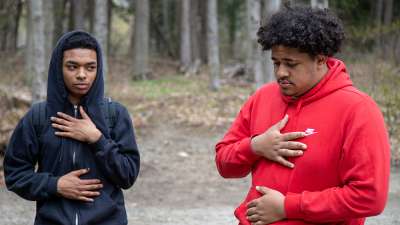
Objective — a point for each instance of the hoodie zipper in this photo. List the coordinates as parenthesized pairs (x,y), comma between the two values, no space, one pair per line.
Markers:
(73,154)
(74,162)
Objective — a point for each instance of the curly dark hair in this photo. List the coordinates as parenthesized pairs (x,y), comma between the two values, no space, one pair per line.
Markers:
(80,40)
(313,31)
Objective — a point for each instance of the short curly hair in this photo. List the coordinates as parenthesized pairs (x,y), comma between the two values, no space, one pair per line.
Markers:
(313,31)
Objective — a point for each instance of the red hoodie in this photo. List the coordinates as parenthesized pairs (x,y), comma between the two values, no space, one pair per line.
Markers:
(341,178)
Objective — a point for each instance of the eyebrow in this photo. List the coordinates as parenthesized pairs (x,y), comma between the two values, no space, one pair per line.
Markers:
(285,59)
(70,62)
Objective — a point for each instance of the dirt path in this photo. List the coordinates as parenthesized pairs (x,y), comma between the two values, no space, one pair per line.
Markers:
(179,184)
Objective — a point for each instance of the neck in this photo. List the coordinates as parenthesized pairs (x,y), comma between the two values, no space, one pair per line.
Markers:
(74,100)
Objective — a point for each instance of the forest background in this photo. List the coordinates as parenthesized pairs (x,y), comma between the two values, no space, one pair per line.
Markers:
(184,68)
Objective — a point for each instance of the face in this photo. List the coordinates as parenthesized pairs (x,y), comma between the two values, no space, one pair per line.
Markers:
(79,72)
(297,72)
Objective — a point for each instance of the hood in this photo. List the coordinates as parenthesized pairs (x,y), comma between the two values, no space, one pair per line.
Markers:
(335,79)
(57,93)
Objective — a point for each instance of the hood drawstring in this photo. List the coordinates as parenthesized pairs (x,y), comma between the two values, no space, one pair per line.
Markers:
(297,112)
(299,105)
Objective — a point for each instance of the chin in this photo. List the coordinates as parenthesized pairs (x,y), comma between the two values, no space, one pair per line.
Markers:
(287,92)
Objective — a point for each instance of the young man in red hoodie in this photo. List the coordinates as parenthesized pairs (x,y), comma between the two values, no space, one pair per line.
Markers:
(316,147)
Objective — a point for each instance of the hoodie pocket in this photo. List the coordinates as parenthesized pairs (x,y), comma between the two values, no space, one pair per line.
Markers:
(101,210)
(54,212)
(240,211)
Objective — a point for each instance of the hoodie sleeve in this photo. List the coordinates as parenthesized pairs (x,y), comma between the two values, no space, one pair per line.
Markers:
(364,172)
(234,156)
(119,157)
(20,161)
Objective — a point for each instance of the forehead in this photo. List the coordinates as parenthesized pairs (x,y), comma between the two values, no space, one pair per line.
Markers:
(80,54)
(280,52)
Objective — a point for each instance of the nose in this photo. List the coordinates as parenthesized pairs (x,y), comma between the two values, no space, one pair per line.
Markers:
(81,75)
(281,72)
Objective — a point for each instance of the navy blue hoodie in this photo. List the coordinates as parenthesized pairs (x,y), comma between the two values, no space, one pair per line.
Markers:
(114,158)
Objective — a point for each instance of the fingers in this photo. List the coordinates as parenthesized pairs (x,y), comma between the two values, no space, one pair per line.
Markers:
(258,223)
(294,145)
(289,152)
(90,193)
(85,199)
(83,113)
(284,162)
(251,211)
(251,204)
(281,124)
(61,127)
(91,187)
(90,181)
(293,135)
(80,172)
(60,121)
(253,218)
(64,134)
(65,116)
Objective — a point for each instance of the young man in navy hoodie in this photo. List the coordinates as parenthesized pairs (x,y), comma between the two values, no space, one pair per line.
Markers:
(327,160)
(82,161)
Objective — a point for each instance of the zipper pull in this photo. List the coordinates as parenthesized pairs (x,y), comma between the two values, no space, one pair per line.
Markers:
(75,111)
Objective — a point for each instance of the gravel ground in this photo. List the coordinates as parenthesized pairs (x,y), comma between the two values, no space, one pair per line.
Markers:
(179,184)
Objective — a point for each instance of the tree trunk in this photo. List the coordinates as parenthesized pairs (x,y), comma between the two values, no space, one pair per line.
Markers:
(166,27)
(141,46)
(254,56)
(78,9)
(387,19)
(36,54)
(320,4)
(10,12)
(48,9)
(59,15)
(378,22)
(213,44)
(100,30)
(270,7)
(185,48)
(203,33)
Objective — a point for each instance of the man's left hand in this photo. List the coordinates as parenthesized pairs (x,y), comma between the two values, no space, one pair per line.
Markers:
(267,209)
(79,129)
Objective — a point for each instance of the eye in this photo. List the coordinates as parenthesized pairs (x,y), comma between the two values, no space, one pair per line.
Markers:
(291,65)
(91,68)
(71,67)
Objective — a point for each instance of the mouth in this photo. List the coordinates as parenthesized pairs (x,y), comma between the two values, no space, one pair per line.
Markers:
(82,86)
(285,83)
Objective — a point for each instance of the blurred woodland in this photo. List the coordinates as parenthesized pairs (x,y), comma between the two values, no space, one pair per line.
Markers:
(188,62)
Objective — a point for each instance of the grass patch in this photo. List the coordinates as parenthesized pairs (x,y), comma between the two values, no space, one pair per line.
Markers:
(171,85)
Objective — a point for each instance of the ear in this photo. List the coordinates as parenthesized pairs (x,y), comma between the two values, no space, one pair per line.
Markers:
(321,60)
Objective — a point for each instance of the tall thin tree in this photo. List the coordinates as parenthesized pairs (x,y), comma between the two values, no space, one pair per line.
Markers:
(213,44)
(78,9)
(254,56)
(36,53)
(59,14)
(141,39)
(388,15)
(100,30)
(185,47)
(10,12)
(270,7)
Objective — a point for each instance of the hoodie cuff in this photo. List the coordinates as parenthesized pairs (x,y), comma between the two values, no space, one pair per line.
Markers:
(99,145)
(293,206)
(52,186)
(246,151)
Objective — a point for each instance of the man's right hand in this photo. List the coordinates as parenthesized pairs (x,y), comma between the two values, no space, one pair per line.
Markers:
(275,146)
(72,187)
